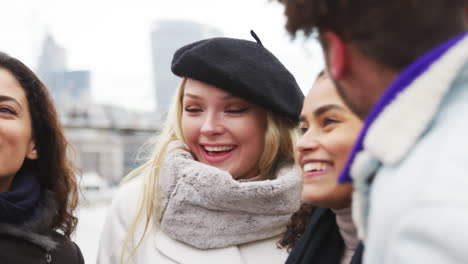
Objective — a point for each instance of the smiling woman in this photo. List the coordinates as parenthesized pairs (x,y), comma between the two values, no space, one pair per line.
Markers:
(15,129)
(222,130)
(221,184)
(37,186)
(329,130)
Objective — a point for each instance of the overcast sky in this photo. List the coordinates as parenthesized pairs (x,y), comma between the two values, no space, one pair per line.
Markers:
(112,38)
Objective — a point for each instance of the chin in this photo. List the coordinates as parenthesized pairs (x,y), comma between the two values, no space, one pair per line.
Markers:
(327,201)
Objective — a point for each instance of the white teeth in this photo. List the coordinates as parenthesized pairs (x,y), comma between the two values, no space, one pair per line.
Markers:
(315,166)
(220,148)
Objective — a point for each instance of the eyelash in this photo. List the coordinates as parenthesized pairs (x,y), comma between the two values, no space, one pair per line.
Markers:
(303,129)
(327,120)
(7,110)
(192,110)
(237,111)
(197,110)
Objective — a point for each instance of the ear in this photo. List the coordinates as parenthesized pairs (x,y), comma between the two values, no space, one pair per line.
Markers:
(32,152)
(336,55)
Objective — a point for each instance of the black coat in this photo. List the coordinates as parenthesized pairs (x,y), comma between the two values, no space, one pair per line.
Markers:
(32,243)
(321,242)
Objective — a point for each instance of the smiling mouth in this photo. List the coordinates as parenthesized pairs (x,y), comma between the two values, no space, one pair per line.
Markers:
(315,168)
(214,154)
(218,149)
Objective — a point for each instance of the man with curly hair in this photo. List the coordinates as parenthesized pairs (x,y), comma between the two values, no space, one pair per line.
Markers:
(402,65)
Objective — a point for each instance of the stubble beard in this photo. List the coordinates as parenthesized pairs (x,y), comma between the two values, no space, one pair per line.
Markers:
(356,108)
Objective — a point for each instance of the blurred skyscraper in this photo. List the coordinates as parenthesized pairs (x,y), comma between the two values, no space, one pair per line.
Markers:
(105,139)
(66,87)
(168,36)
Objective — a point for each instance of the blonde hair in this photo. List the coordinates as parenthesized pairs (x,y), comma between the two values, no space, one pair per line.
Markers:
(280,139)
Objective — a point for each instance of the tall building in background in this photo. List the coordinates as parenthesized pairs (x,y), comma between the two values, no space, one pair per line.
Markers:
(53,58)
(167,36)
(105,139)
(66,87)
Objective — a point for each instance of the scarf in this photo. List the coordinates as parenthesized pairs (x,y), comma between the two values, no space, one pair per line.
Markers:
(205,207)
(19,204)
(322,242)
(404,80)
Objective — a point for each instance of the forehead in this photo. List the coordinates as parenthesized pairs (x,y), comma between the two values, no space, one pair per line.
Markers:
(9,86)
(322,93)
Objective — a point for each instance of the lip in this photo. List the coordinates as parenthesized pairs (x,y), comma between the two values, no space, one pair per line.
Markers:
(217,158)
(314,174)
(304,161)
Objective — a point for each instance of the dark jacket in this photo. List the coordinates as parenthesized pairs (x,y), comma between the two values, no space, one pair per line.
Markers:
(32,243)
(321,242)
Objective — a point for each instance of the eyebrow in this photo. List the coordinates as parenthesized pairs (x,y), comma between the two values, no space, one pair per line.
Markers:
(4,98)
(194,96)
(323,109)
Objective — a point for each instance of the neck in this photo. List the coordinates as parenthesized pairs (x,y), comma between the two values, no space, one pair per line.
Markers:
(348,232)
(5,183)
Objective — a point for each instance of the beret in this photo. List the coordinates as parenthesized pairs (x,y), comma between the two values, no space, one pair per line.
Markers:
(243,68)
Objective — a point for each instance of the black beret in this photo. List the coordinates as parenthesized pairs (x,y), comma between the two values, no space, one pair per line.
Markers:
(243,68)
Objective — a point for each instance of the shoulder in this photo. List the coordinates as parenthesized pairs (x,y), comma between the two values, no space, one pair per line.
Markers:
(66,251)
(126,199)
(264,251)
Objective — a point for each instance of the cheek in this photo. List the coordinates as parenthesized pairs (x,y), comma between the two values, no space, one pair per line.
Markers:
(251,133)
(190,130)
(339,146)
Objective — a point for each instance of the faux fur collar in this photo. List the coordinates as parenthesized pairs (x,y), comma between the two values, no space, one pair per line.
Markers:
(36,232)
(206,208)
(400,125)
(407,107)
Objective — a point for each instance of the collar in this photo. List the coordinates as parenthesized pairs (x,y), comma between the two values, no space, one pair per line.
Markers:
(19,203)
(386,135)
(37,231)
(206,208)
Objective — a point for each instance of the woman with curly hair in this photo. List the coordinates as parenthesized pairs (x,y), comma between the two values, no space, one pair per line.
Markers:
(38,193)
(322,231)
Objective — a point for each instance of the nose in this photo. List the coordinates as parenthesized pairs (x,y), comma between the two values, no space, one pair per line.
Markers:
(307,143)
(211,126)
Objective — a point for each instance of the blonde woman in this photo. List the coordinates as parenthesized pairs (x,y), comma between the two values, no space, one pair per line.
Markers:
(221,184)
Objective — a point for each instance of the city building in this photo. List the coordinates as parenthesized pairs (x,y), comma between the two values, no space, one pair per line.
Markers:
(104,140)
(66,87)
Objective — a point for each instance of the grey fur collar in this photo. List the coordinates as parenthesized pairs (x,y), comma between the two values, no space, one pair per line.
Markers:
(206,208)
(36,232)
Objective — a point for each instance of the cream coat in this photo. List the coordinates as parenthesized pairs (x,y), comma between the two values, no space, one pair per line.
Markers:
(160,248)
(415,209)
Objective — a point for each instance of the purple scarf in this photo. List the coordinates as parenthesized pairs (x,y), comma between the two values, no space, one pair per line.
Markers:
(21,202)
(406,77)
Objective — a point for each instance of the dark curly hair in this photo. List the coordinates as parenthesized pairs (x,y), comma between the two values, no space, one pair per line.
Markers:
(392,32)
(55,171)
(296,226)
